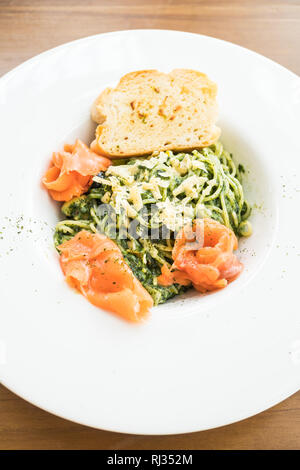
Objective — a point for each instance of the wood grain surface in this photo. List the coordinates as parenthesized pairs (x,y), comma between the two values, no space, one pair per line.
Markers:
(28,27)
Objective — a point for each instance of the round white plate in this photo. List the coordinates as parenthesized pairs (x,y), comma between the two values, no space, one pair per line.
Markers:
(198,362)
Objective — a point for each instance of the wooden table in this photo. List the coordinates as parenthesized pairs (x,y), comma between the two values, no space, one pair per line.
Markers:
(28,27)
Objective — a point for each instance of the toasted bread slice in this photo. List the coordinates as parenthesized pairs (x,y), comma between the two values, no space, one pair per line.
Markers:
(150,110)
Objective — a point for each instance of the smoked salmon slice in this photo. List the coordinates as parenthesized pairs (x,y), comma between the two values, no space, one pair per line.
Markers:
(203,255)
(169,277)
(71,171)
(94,265)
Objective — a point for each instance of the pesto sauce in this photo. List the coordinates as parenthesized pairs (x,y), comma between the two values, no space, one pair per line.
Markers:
(224,201)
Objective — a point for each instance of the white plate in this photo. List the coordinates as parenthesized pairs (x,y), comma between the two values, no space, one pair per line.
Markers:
(199,362)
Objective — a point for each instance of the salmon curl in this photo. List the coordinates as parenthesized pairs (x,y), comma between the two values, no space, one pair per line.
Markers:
(203,256)
(71,171)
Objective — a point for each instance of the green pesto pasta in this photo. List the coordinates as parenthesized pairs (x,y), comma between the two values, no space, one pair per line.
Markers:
(141,203)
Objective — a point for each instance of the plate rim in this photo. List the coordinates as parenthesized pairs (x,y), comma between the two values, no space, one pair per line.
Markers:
(10,73)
